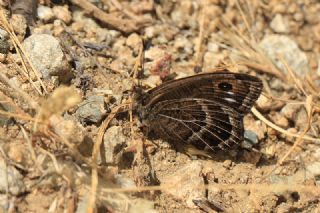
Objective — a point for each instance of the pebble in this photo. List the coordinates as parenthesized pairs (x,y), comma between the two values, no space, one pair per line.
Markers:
(250,139)
(47,56)
(5,120)
(4,44)
(302,118)
(280,120)
(264,103)
(19,153)
(258,128)
(45,13)
(19,24)
(279,24)
(114,141)
(187,182)
(134,41)
(227,164)
(275,45)
(91,110)
(69,129)
(290,111)
(62,13)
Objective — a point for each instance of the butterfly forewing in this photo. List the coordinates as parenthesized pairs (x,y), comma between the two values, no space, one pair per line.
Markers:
(236,90)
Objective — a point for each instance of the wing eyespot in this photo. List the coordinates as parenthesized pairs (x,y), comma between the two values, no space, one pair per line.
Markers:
(225,86)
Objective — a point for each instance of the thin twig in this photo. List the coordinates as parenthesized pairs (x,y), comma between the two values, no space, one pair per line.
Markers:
(123,25)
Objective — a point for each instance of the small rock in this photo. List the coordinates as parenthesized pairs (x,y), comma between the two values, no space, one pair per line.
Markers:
(19,24)
(47,56)
(91,110)
(183,45)
(19,153)
(62,13)
(68,129)
(279,24)
(152,81)
(257,127)
(45,13)
(280,120)
(134,41)
(250,139)
(213,47)
(5,120)
(106,36)
(162,66)
(114,141)
(212,59)
(4,44)
(227,164)
(15,81)
(302,118)
(275,45)
(187,182)
(290,111)
(264,103)
(154,53)
(9,175)
(299,16)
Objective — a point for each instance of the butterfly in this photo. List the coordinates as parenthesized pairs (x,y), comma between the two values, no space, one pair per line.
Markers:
(204,111)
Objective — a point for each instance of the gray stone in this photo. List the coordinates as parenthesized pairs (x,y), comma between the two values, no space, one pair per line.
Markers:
(114,141)
(5,120)
(9,175)
(250,139)
(275,45)
(91,110)
(187,183)
(46,55)
(4,44)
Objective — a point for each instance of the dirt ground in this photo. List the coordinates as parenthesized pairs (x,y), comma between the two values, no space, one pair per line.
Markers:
(69,135)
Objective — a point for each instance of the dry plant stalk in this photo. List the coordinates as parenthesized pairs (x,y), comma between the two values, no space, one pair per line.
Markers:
(62,99)
(22,53)
(95,152)
(123,25)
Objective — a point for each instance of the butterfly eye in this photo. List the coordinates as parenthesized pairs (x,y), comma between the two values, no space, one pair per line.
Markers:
(225,86)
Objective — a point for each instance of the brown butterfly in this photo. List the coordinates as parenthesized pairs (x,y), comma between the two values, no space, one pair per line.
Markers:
(205,111)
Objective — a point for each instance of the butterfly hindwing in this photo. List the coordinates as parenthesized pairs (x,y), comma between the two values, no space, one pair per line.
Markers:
(199,122)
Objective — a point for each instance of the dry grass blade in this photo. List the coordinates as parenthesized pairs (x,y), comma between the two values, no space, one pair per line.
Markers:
(245,51)
(298,142)
(237,187)
(23,55)
(22,94)
(123,25)
(95,152)
(62,99)
(283,131)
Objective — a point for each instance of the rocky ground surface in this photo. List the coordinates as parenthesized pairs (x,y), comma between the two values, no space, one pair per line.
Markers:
(69,70)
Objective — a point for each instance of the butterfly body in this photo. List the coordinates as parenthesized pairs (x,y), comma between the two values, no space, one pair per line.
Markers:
(205,110)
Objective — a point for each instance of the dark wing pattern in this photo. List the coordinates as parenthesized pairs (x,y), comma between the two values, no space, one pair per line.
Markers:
(202,123)
(204,110)
(235,90)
